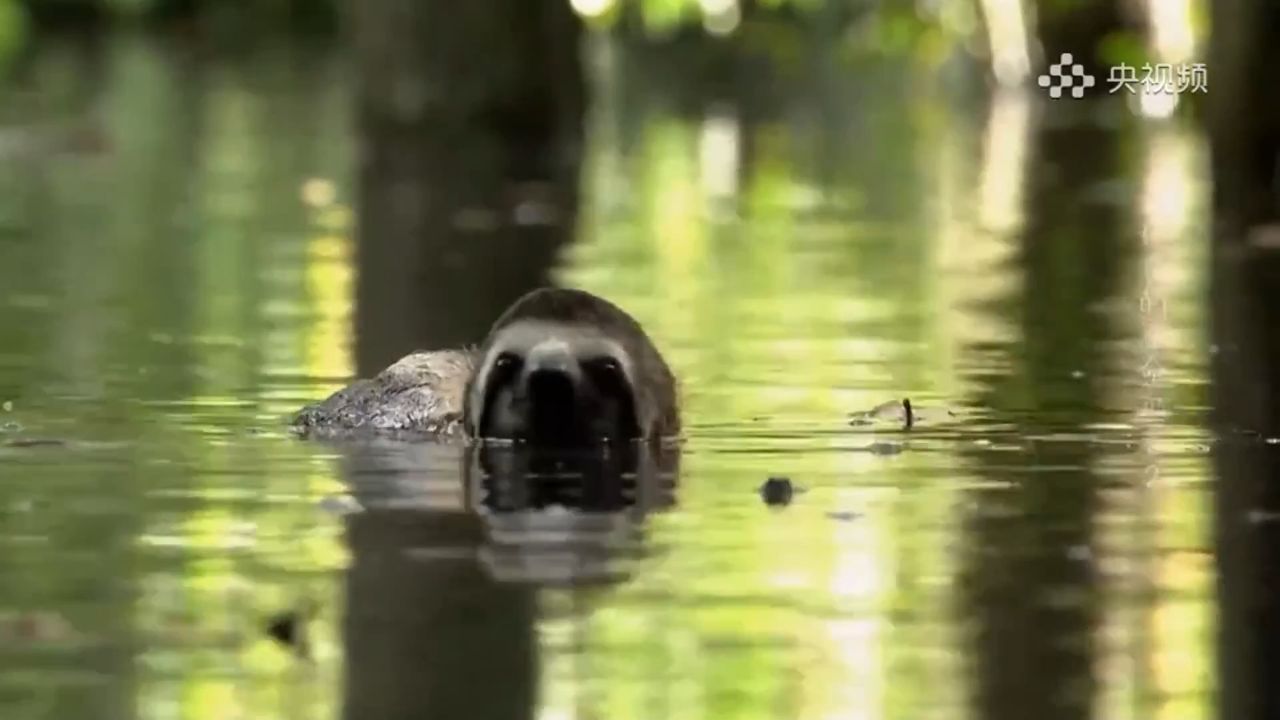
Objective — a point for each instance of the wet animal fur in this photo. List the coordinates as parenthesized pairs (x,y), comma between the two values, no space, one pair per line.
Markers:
(441,393)
(421,392)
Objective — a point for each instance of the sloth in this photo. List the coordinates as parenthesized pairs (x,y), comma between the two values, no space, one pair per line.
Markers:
(559,368)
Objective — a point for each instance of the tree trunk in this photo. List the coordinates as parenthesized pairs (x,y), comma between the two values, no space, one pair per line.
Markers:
(1245,135)
(1033,658)
(471,118)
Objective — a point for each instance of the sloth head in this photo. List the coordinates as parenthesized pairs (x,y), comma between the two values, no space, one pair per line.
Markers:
(566,368)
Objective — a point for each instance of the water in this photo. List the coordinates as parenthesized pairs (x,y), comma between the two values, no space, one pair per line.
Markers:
(178,273)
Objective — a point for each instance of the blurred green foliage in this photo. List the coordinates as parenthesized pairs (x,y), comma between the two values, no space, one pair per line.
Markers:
(1124,48)
(13,29)
(894,22)
(243,13)
(928,30)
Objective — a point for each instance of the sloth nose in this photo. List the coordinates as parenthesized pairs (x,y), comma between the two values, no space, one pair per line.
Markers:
(551,369)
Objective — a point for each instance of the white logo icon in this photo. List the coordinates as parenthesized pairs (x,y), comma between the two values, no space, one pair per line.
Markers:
(1066,73)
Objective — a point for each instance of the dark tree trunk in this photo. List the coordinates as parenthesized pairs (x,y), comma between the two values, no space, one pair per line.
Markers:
(1245,124)
(471,117)
(470,122)
(432,637)
(1034,657)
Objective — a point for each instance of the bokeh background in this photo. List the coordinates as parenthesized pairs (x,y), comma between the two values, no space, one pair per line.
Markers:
(214,212)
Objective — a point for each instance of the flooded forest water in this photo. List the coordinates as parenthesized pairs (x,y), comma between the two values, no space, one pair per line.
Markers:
(180,271)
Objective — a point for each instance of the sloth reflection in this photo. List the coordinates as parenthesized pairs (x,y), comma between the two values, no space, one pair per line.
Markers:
(567,516)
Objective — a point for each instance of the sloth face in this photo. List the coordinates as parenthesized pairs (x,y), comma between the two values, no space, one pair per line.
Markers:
(554,384)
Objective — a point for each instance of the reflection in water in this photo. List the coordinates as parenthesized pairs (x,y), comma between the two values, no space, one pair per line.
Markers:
(1004,161)
(554,517)
(978,253)
(1172,627)
(166,303)
(442,602)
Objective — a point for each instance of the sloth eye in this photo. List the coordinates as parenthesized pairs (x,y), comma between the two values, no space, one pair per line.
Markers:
(506,362)
(607,366)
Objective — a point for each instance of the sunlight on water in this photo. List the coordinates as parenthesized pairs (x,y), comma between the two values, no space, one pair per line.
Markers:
(796,317)
(1041,536)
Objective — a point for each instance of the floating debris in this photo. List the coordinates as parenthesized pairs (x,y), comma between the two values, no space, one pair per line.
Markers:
(1077,374)
(894,410)
(1273,441)
(777,492)
(7,406)
(843,515)
(289,628)
(899,411)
